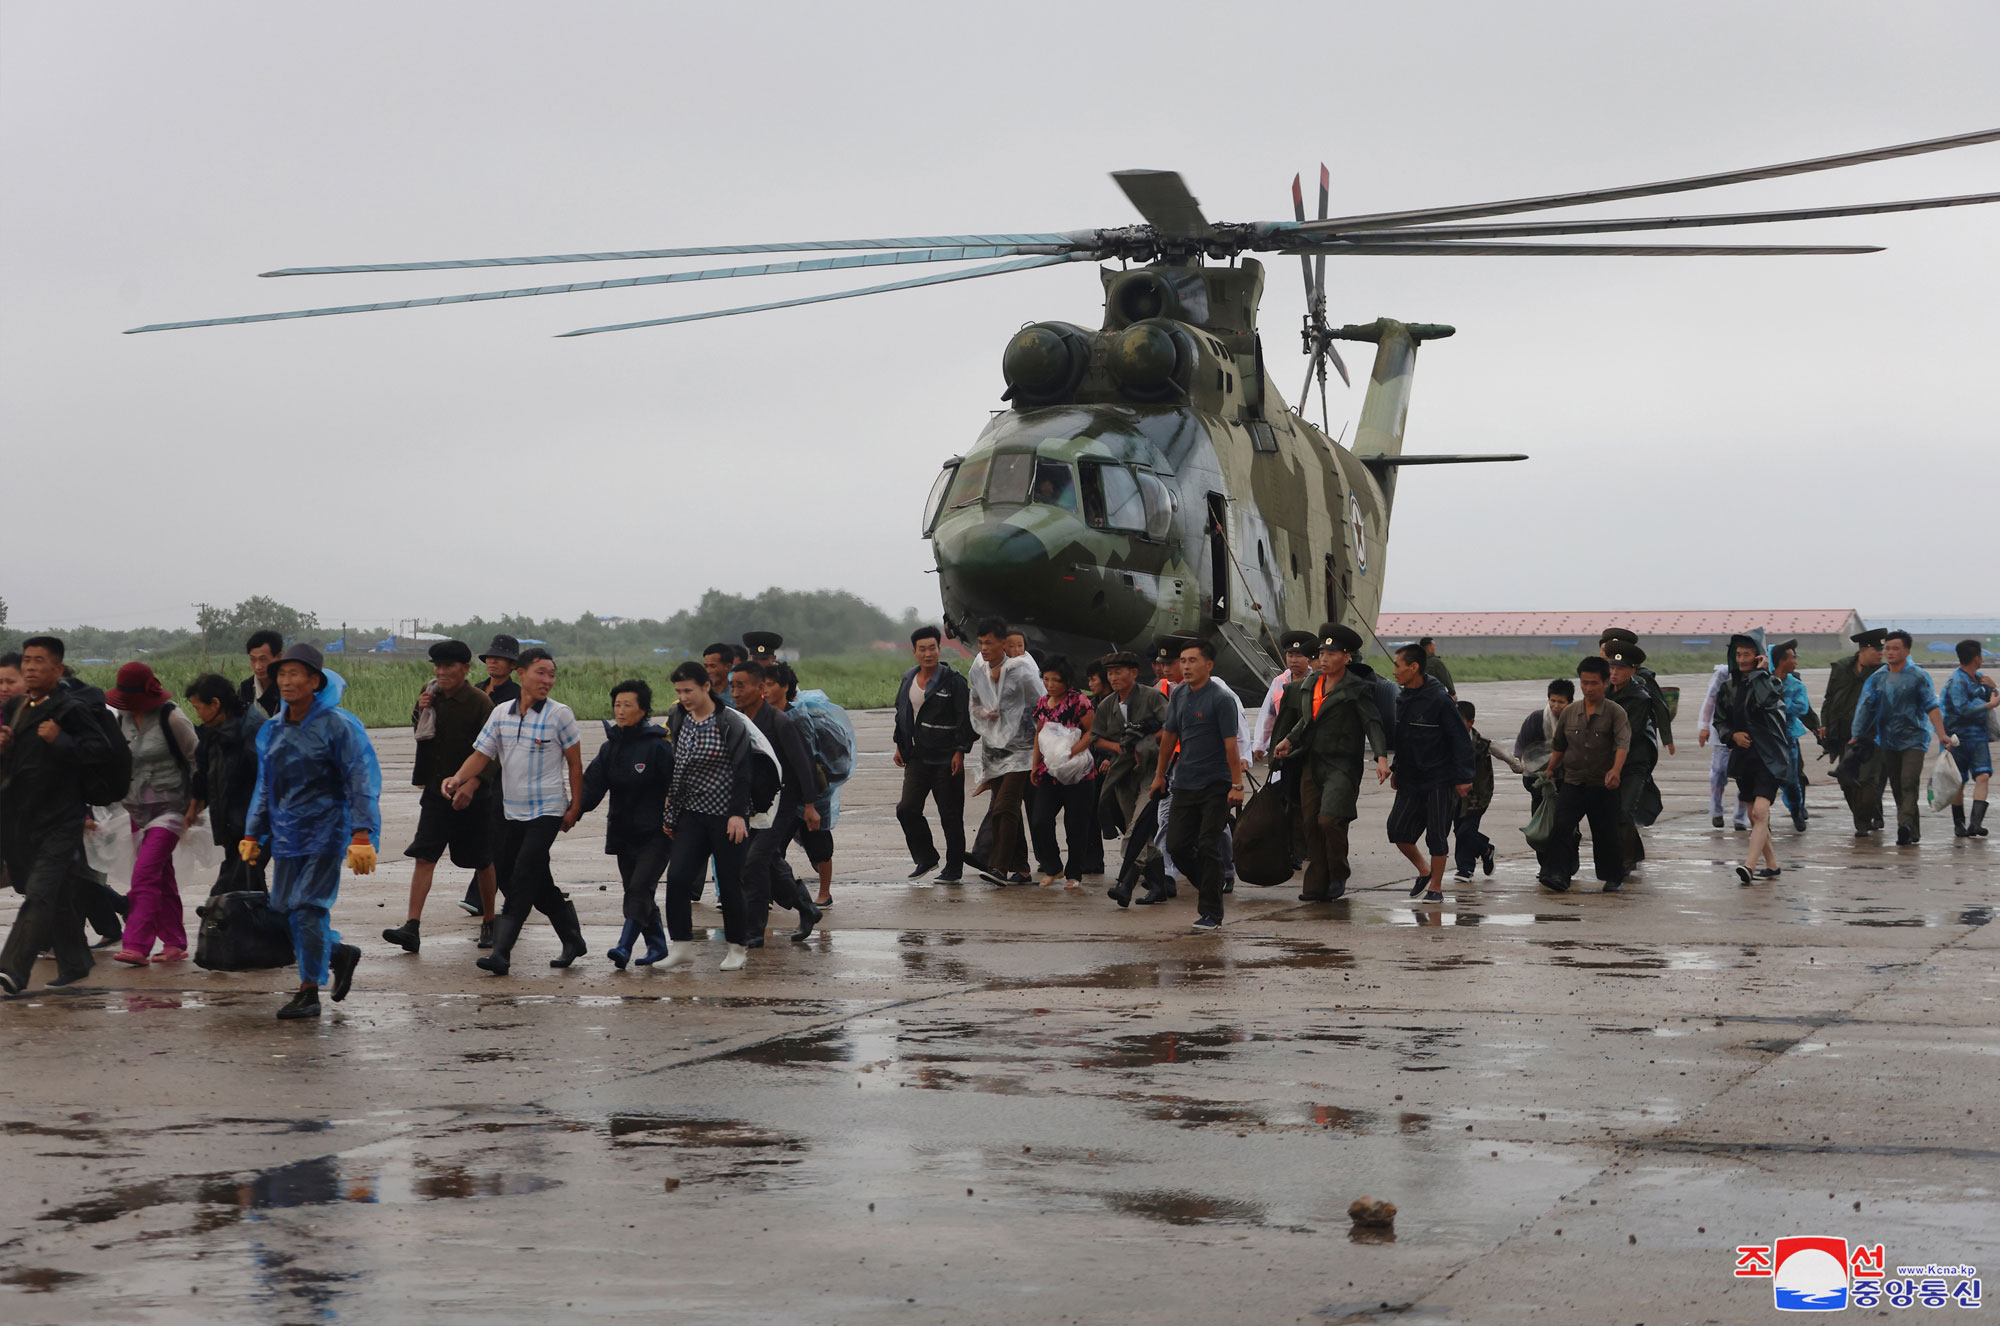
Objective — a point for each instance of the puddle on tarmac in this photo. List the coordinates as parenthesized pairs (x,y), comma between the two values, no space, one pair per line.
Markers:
(1174,1207)
(316,1182)
(39,1279)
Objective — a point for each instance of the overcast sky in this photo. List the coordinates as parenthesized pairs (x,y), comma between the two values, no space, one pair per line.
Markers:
(1798,432)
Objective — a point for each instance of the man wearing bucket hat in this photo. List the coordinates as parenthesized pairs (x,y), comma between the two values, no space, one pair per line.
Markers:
(317,805)
(449,713)
(163,745)
(500,660)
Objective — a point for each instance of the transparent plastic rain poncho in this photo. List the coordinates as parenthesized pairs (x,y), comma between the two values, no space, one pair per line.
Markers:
(821,708)
(318,782)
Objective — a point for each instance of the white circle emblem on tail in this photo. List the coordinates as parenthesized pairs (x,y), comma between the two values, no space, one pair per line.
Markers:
(1360,534)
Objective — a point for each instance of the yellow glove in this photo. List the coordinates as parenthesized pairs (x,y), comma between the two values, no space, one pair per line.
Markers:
(361,859)
(247,849)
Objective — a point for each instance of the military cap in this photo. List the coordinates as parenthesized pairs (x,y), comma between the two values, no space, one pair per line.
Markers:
(1298,642)
(1872,638)
(1617,635)
(1167,649)
(451,651)
(1332,635)
(1627,656)
(763,645)
(1123,658)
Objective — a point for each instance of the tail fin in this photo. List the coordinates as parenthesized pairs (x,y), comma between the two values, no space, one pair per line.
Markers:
(1386,408)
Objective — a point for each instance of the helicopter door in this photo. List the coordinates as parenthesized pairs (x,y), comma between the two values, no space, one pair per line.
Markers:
(1218,557)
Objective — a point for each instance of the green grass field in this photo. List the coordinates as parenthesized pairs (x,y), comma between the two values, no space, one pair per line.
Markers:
(381,691)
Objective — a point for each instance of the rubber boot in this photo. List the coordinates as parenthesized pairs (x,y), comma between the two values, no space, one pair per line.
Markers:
(621,952)
(809,914)
(1159,885)
(1128,876)
(570,930)
(405,936)
(506,929)
(656,939)
(1958,829)
(1977,828)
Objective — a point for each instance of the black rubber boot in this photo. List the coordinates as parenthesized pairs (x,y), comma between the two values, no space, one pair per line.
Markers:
(809,915)
(345,958)
(486,933)
(304,1004)
(506,929)
(405,936)
(1958,829)
(1977,828)
(570,930)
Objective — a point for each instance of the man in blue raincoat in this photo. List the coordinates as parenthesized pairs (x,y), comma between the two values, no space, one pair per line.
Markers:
(317,806)
(1898,711)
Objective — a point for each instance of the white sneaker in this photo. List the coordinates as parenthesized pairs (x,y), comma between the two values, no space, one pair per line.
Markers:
(678,955)
(737,956)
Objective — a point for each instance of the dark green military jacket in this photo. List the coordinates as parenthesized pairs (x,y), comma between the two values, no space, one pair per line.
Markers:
(1349,723)
(1843,693)
(1121,790)
(1643,708)
(1434,667)
(1663,717)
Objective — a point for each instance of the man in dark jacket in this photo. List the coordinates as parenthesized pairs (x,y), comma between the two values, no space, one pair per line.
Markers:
(1125,735)
(260,689)
(1327,723)
(1587,753)
(933,733)
(1433,768)
(225,776)
(451,710)
(767,876)
(1435,668)
(1863,789)
(49,737)
(1638,799)
(1750,722)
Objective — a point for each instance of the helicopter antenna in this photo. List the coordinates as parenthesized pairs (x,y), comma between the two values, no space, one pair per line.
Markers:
(1316,336)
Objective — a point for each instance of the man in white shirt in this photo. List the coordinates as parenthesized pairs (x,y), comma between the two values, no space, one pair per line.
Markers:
(1004,692)
(537,745)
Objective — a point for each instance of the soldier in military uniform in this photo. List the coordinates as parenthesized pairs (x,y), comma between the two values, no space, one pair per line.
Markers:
(1863,789)
(1125,734)
(1663,719)
(1326,723)
(1638,798)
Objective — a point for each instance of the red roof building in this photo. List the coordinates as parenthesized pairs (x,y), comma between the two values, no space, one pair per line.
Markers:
(1692,630)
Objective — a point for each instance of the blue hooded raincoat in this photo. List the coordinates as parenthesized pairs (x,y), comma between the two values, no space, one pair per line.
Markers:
(318,782)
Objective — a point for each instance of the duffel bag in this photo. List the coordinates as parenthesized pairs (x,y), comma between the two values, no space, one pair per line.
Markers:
(1264,838)
(240,932)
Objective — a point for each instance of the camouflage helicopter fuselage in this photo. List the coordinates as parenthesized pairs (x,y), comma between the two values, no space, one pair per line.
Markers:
(1148,479)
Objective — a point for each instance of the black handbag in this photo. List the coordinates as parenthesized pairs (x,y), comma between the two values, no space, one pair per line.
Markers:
(1263,839)
(240,932)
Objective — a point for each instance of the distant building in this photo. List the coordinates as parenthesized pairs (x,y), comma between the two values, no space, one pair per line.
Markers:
(1575,633)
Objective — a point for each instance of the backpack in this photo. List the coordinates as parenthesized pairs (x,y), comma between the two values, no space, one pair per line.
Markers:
(830,734)
(105,781)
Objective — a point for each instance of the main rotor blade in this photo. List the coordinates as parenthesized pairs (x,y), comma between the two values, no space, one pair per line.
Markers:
(1459,248)
(1512,229)
(1164,200)
(1339,364)
(710,251)
(996,269)
(1384,220)
(620,283)
(1305,392)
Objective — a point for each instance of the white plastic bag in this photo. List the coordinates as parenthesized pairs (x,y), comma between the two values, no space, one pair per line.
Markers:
(107,843)
(1056,742)
(1993,724)
(1945,782)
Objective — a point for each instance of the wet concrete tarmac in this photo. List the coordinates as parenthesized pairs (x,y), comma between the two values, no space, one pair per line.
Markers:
(967,1104)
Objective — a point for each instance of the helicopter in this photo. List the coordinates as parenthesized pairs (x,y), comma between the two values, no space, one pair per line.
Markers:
(1146,478)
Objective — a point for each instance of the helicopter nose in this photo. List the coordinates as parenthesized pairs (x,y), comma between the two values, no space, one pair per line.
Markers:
(997,560)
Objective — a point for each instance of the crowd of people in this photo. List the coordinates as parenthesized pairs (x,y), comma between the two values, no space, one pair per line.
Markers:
(744,766)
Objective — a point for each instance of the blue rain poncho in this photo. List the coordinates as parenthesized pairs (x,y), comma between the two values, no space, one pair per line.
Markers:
(1894,710)
(318,782)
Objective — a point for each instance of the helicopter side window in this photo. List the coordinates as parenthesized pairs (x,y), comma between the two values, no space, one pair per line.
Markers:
(1010,479)
(1111,498)
(969,483)
(1054,485)
(1159,505)
(934,504)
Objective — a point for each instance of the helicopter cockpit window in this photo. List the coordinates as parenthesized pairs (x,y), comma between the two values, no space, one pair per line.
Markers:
(1055,485)
(1010,479)
(1111,498)
(934,504)
(1159,504)
(969,485)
